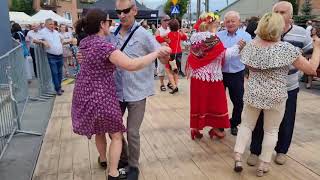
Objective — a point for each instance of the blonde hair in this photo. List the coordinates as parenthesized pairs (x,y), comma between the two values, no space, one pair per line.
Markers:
(270,27)
(203,27)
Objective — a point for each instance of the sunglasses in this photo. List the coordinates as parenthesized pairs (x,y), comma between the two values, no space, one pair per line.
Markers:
(125,11)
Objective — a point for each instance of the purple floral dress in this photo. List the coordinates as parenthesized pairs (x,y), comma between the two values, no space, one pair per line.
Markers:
(95,107)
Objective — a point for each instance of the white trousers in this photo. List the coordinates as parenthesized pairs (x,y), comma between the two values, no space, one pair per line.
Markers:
(272,121)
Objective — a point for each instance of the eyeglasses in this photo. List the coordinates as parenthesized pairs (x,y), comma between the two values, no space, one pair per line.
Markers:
(125,11)
(166,20)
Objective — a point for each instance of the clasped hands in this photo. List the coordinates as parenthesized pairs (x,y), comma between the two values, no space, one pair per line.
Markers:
(164,54)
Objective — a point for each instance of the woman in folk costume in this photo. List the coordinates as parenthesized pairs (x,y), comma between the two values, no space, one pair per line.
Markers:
(208,100)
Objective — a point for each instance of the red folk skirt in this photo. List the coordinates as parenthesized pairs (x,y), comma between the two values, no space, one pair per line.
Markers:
(208,103)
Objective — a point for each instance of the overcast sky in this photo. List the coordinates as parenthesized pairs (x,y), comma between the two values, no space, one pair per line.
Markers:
(213,4)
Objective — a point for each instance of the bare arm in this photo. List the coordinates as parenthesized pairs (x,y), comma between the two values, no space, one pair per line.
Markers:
(122,60)
(309,67)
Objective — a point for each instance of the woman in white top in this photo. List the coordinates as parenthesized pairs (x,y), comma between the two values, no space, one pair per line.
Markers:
(67,54)
(268,60)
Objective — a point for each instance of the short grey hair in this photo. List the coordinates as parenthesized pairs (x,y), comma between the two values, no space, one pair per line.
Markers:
(232,13)
(48,20)
(286,3)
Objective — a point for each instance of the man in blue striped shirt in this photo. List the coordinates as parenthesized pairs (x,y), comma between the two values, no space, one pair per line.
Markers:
(133,87)
(233,69)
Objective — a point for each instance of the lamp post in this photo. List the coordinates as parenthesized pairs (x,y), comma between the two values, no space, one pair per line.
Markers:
(198,8)
(5,35)
(207,5)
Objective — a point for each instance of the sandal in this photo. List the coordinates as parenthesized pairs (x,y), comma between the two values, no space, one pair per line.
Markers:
(170,86)
(238,166)
(262,169)
(163,88)
(102,164)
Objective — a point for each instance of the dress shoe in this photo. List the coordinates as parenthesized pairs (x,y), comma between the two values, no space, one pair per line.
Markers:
(252,160)
(280,159)
(234,131)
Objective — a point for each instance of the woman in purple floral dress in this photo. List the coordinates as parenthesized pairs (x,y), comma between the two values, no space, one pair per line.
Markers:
(95,108)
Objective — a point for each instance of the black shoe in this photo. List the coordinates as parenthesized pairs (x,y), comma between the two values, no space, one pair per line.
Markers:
(170,86)
(103,164)
(123,173)
(113,178)
(133,173)
(59,93)
(182,74)
(234,131)
(175,90)
(122,164)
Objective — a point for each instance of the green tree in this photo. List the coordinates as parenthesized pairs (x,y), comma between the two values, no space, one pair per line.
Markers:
(305,13)
(183,7)
(22,6)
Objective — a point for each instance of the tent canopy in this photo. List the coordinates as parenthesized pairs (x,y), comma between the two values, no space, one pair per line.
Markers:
(108,6)
(22,18)
(42,15)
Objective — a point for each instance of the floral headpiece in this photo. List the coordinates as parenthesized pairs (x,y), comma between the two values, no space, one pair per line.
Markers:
(209,17)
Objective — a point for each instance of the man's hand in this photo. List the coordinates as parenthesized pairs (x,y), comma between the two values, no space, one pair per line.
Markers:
(241,44)
(80,57)
(46,45)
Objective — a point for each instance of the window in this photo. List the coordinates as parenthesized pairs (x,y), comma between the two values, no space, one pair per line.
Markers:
(68,15)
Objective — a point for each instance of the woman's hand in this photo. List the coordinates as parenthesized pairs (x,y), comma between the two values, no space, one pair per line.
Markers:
(316,42)
(164,51)
(164,54)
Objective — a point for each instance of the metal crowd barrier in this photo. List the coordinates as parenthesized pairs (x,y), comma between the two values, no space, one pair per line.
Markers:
(45,86)
(13,89)
(13,63)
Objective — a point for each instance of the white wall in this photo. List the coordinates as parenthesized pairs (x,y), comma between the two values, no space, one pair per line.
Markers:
(248,8)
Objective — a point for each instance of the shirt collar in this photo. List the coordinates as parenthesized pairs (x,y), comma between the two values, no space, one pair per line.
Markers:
(135,24)
(234,34)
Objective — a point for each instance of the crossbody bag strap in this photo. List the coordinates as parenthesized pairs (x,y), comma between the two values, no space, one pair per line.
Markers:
(129,37)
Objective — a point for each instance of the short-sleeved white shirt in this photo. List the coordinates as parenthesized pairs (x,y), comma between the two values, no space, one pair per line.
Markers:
(53,38)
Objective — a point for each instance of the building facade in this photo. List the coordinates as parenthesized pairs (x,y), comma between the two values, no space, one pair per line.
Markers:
(65,8)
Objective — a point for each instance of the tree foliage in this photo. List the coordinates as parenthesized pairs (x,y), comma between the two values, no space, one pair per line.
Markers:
(305,13)
(183,7)
(22,6)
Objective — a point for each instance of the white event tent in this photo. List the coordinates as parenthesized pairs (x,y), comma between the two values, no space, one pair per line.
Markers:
(42,15)
(22,18)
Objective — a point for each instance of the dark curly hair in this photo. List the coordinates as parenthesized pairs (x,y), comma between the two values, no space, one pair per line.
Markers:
(15,28)
(174,25)
(90,24)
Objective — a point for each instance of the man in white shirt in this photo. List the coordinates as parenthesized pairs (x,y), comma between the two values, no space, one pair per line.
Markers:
(162,31)
(309,27)
(31,38)
(53,46)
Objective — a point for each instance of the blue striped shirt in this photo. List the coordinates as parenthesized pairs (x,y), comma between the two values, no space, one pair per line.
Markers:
(138,85)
